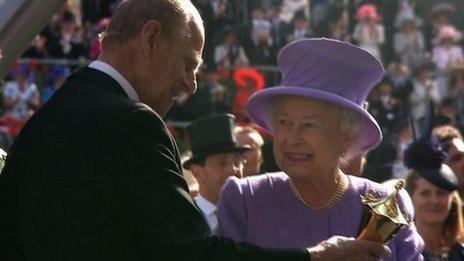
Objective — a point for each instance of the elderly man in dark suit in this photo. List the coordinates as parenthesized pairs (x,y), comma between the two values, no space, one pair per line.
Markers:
(95,175)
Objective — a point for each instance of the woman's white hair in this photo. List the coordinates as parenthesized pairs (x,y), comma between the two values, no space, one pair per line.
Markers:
(351,125)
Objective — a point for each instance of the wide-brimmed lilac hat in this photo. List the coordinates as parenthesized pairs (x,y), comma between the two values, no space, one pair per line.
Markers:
(328,70)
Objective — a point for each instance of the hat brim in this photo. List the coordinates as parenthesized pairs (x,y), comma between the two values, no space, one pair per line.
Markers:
(443,178)
(195,158)
(442,8)
(260,104)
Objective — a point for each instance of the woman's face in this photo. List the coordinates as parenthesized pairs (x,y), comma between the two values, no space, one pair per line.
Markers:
(307,137)
(431,203)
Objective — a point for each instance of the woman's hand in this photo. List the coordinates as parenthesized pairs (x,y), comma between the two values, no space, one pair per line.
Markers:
(344,248)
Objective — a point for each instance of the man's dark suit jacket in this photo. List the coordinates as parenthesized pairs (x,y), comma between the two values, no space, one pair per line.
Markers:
(94,175)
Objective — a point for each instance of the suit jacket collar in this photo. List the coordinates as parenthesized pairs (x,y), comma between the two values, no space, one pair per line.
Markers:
(101,79)
(111,71)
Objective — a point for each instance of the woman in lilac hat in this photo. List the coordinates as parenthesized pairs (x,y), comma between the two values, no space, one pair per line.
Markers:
(319,122)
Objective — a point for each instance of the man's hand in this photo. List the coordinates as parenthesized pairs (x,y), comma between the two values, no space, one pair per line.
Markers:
(346,249)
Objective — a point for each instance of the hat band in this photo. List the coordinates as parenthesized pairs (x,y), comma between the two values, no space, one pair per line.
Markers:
(214,147)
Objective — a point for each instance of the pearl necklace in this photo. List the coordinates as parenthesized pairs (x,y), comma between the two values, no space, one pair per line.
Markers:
(334,198)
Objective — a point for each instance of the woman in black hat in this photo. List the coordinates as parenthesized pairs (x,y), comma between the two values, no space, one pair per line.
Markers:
(439,218)
(432,186)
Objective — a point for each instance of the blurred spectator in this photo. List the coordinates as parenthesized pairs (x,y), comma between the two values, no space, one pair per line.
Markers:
(384,107)
(448,110)
(207,13)
(20,99)
(230,53)
(397,72)
(319,16)
(369,32)
(220,102)
(425,90)
(400,139)
(379,163)
(439,13)
(248,82)
(445,53)
(278,26)
(95,45)
(38,47)
(409,42)
(219,6)
(57,76)
(338,28)
(94,10)
(259,25)
(292,7)
(21,95)
(300,28)
(247,135)
(456,91)
(452,143)
(68,40)
(199,104)
(263,52)
(389,10)
(223,17)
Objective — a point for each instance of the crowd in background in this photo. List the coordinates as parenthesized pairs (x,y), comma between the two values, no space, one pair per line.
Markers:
(418,42)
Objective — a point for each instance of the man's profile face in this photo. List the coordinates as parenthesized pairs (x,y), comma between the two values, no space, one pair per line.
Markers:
(455,159)
(172,70)
(217,168)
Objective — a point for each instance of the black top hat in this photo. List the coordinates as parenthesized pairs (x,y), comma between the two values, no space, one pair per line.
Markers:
(426,157)
(212,135)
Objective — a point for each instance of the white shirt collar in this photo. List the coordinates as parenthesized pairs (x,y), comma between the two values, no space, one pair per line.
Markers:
(208,210)
(108,69)
(206,207)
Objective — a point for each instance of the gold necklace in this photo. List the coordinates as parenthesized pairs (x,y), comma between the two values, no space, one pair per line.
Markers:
(334,198)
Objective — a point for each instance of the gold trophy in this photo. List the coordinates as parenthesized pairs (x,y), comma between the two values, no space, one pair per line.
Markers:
(382,218)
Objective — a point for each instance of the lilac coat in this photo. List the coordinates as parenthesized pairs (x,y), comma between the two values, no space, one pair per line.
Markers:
(264,211)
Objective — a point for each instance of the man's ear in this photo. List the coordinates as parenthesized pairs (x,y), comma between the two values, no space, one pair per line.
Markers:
(150,34)
(196,170)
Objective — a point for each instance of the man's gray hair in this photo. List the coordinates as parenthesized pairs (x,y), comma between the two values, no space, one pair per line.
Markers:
(130,16)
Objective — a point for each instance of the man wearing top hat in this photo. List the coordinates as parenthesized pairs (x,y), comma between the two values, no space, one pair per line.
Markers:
(216,155)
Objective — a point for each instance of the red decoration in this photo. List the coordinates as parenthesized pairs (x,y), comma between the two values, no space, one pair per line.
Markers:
(241,74)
